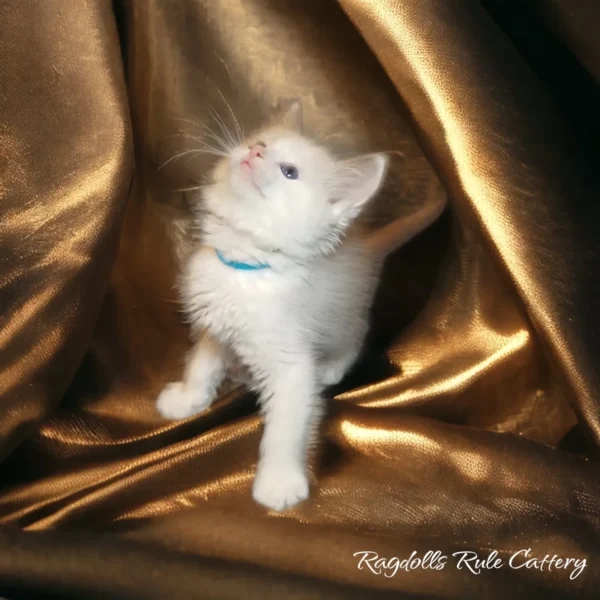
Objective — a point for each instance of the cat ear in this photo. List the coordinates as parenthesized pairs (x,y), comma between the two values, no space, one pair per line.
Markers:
(355,181)
(292,115)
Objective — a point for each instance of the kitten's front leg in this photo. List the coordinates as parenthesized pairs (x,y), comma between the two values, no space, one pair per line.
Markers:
(291,407)
(203,374)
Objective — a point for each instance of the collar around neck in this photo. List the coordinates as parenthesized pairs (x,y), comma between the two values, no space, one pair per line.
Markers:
(241,266)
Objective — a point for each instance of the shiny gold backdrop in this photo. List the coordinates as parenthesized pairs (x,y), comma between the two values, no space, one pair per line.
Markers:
(473,421)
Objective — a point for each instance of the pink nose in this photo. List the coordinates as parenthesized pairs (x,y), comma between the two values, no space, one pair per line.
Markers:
(257,151)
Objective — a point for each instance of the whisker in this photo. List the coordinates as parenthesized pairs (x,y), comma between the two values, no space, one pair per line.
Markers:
(205,146)
(192,121)
(396,152)
(237,123)
(239,129)
(209,132)
(191,188)
(217,139)
(226,132)
(225,65)
(184,153)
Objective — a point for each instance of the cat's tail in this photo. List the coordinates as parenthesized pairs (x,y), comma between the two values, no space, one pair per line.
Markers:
(385,240)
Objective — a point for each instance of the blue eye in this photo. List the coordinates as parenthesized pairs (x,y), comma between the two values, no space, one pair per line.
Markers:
(289,171)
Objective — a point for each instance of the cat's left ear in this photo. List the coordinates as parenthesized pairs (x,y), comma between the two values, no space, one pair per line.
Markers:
(355,182)
(292,115)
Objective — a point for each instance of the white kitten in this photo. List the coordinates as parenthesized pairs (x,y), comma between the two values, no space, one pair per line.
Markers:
(280,287)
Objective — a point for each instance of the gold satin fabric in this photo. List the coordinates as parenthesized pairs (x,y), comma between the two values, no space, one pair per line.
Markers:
(472,423)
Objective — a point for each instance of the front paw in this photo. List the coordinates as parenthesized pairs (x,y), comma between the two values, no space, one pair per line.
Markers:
(175,402)
(280,487)
(331,374)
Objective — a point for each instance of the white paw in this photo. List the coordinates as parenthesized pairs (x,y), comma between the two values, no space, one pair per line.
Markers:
(280,487)
(331,374)
(175,403)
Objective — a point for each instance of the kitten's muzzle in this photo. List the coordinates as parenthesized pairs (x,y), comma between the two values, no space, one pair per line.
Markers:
(257,151)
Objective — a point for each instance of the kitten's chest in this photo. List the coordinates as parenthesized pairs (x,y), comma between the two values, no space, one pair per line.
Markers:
(230,302)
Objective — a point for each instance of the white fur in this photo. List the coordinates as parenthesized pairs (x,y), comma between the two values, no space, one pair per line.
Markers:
(296,327)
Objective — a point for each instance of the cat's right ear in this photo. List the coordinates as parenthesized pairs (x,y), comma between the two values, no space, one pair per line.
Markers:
(291,117)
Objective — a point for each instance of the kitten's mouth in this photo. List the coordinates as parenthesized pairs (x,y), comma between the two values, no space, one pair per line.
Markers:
(247,169)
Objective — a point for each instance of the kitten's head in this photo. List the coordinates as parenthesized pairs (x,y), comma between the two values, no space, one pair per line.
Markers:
(286,193)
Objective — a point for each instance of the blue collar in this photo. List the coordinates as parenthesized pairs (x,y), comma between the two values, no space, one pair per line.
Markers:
(241,266)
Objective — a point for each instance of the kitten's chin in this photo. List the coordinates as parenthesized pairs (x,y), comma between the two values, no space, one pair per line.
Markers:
(242,183)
